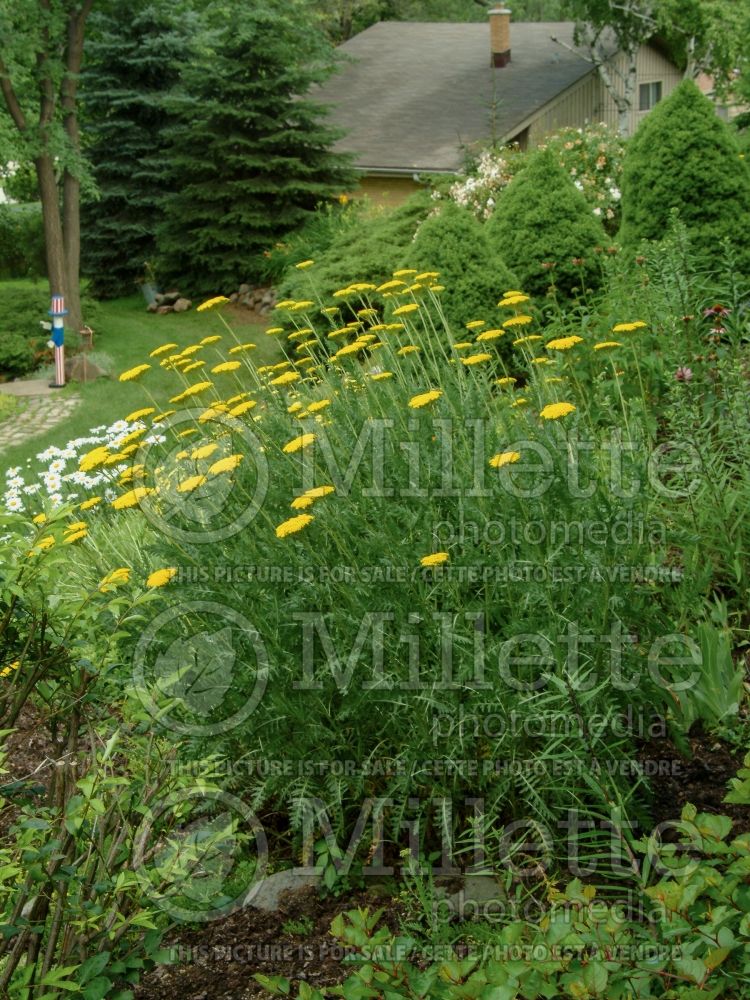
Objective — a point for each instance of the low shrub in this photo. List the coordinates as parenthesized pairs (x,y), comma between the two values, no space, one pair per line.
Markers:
(363,251)
(21,242)
(8,406)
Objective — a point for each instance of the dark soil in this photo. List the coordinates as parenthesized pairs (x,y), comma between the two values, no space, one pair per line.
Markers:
(701,779)
(31,754)
(220,959)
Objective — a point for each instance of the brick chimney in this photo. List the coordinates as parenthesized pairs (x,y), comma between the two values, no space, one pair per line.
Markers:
(500,36)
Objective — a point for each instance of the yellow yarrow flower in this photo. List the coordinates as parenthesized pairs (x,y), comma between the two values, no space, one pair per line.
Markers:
(319,491)
(7,671)
(91,502)
(75,537)
(226,366)
(475,324)
(410,307)
(218,300)
(425,398)
(408,349)
(161,577)
(117,576)
(204,451)
(137,414)
(390,285)
(131,498)
(285,379)
(241,408)
(553,411)
(162,350)
(304,264)
(228,464)
(404,272)
(192,390)
(300,503)
(490,335)
(380,376)
(435,559)
(94,458)
(504,458)
(133,373)
(606,344)
(564,343)
(296,444)
(293,525)
(476,359)
(521,320)
(242,347)
(39,518)
(319,404)
(506,380)
(75,526)
(190,484)
(527,340)
(161,417)
(628,327)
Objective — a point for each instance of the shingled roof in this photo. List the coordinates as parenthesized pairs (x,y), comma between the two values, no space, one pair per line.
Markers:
(411,95)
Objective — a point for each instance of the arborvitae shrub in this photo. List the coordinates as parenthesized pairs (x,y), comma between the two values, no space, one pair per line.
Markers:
(684,157)
(542,219)
(454,243)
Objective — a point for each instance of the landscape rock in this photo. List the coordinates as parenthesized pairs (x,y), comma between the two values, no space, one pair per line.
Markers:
(243,289)
(182,305)
(152,307)
(79,369)
(169,298)
(265,895)
(163,310)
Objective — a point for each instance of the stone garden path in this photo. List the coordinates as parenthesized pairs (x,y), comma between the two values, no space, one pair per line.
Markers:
(45,409)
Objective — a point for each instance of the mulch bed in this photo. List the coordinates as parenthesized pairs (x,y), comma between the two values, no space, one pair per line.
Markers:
(700,779)
(220,958)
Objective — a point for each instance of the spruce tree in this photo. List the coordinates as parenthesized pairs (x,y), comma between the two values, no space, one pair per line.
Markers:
(684,157)
(251,155)
(545,231)
(132,60)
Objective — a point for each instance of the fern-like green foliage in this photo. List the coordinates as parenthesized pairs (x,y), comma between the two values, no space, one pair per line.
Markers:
(367,247)
(454,243)
(684,157)
(542,219)
(132,61)
(251,157)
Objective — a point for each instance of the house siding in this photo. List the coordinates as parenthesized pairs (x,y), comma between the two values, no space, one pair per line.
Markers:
(589,100)
(387,191)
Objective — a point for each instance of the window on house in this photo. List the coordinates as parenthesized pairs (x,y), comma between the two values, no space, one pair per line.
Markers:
(650,94)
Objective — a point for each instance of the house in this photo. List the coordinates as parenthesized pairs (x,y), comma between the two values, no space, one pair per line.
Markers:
(413,97)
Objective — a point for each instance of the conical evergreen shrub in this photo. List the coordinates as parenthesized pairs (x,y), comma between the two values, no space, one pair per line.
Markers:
(684,157)
(453,242)
(545,231)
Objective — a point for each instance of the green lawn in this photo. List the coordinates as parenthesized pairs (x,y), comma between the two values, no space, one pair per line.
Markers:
(125,332)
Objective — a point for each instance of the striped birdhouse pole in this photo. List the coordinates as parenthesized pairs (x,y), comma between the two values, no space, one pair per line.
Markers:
(57,312)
